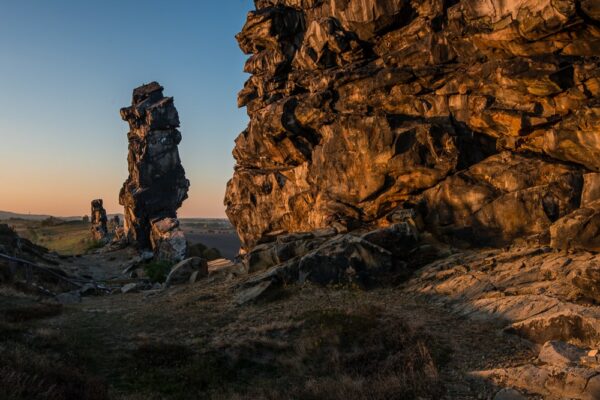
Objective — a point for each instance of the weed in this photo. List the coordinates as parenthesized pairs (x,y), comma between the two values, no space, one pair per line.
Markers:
(158,270)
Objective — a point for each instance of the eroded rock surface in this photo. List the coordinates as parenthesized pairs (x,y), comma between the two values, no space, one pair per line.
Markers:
(156,186)
(482,115)
(99,221)
(548,298)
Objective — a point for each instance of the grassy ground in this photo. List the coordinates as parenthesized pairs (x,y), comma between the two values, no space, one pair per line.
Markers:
(68,238)
(193,342)
(73,237)
(36,361)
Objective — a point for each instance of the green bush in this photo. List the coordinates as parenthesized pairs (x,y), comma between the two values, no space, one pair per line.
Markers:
(157,271)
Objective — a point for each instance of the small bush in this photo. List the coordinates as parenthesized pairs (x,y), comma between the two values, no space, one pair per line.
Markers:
(157,271)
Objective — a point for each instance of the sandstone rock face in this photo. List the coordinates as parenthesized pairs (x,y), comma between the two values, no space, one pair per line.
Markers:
(482,115)
(156,186)
(98,221)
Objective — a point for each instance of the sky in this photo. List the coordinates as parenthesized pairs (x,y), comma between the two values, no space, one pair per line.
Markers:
(68,66)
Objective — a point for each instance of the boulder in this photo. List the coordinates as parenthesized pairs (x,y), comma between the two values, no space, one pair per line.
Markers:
(284,248)
(399,239)
(586,278)
(578,230)
(168,240)
(345,259)
(129,288)
(187,271)
(559,353)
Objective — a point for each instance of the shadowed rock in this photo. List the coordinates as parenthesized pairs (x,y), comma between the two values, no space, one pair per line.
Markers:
(156,186)
(99,221)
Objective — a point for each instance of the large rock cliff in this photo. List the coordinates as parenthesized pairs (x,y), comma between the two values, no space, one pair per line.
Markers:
(482,115)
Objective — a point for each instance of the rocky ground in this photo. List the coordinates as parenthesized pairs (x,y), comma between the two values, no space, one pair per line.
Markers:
(468,326)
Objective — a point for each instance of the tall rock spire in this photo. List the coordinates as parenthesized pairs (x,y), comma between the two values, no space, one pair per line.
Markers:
(156,186)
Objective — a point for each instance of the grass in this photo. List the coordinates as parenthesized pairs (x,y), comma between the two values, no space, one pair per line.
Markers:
(69,238)
(158,270)
(333,354)
(354,353)
(93,245)
(35,365)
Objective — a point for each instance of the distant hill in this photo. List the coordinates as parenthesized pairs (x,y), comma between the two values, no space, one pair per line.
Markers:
(31,217)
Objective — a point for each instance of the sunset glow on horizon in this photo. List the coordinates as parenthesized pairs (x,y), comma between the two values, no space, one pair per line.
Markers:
(66,76)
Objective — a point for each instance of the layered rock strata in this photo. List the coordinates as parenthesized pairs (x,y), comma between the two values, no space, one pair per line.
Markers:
(156,186)
(99,221)
(482,116)
(548,297)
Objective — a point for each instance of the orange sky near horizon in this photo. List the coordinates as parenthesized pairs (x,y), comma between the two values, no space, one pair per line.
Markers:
(54,190)
(67,201)
(65,76)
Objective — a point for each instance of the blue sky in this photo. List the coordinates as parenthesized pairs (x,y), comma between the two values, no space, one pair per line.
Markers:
(66,69)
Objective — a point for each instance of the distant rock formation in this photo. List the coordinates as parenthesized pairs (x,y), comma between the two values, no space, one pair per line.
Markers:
(483,116)
(98,221)
(156,186)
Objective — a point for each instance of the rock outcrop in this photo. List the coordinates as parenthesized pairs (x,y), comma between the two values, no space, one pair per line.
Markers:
(99,221)
(483,116)
(156,186)
(547,297)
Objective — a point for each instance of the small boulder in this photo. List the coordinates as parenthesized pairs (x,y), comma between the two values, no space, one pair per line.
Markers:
(556,352)
(578,230)
(344,259)
(261,257)
(586,278)
(399,238)
(130,287)
(253,293)
(183,272)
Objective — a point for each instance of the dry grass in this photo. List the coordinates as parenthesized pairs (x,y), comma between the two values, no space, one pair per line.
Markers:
(35,365)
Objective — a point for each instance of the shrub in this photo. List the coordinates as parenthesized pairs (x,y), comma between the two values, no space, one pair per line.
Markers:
(158,270)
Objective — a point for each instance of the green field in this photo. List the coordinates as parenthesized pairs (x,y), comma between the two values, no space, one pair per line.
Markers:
(64,237)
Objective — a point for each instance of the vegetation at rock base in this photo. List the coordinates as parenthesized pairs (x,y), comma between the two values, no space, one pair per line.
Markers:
(157,270)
